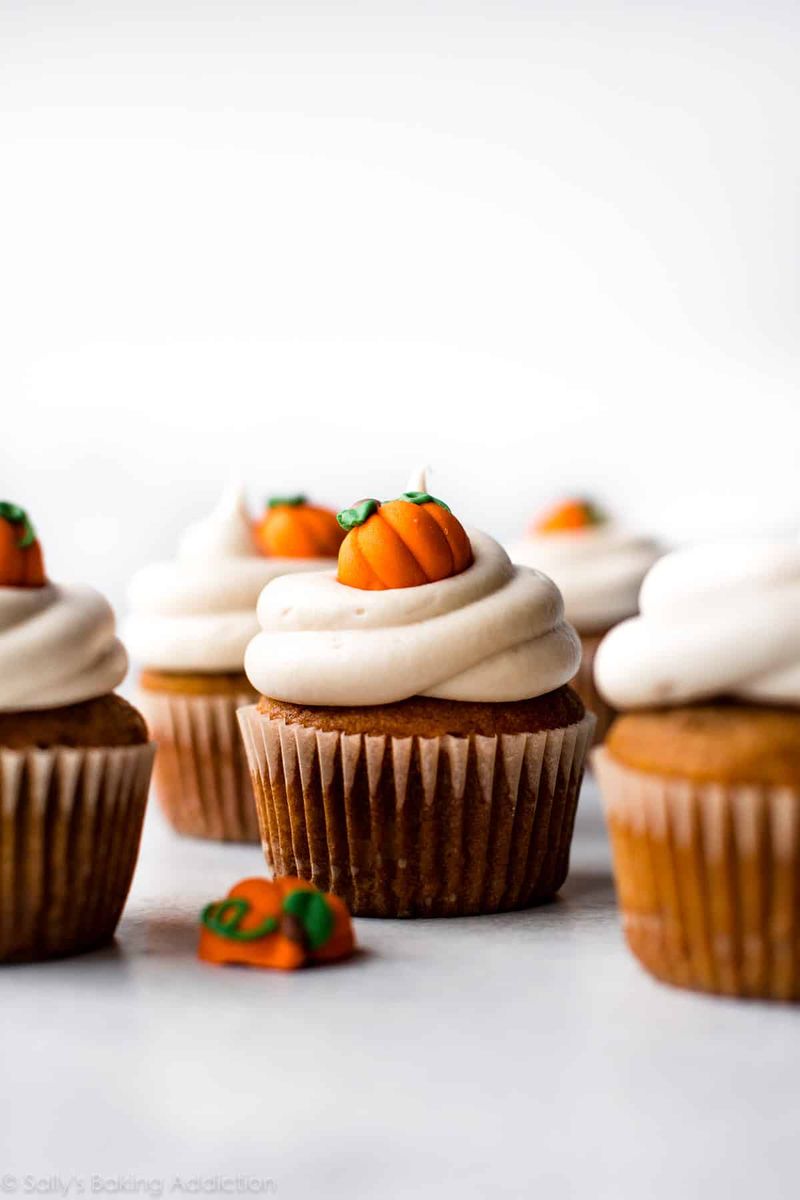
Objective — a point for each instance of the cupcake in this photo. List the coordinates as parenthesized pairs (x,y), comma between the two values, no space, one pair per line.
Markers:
(701,774)
(75,759)
(189,624)
(599,568)
(416,749)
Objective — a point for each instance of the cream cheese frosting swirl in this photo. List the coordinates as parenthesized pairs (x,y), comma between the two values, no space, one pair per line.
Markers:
(716,620)
(57,646)
(495,632)
(598,569)
(198,612)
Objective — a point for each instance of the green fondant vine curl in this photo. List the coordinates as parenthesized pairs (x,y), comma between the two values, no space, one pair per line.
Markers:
(287,501)
(224,917)
(310,910)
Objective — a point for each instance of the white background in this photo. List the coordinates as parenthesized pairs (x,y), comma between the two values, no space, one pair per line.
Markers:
(543,246)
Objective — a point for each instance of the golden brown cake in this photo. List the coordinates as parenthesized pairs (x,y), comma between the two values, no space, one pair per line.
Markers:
(423,716)
(104,721)
(723,743)
(426,755)
(702,794)
(185,683)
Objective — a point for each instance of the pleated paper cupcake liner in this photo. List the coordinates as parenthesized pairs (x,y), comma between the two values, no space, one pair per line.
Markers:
(584,685)
(70,824)
(415,826)
(201,777)
(708,880)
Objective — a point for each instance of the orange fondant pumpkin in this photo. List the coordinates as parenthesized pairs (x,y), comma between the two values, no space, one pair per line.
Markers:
(570,515)
(21,563)
(283,923)
(402,543)
(291,528)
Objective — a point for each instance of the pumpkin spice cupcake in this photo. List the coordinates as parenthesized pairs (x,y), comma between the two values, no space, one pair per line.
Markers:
(189,625)
(75,760)
(416,749)
(701,775)
(599,568)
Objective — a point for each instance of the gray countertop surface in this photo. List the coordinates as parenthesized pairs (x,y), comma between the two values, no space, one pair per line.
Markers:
(509,1056)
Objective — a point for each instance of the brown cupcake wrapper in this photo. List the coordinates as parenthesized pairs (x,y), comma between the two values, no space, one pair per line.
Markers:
(201,777)
(70,825)
(584,685)
(708,879)
(403,827)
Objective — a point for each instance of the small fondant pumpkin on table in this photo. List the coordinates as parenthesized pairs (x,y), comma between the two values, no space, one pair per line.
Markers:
(21,562)
(402,543)
(283,923)
(293,528)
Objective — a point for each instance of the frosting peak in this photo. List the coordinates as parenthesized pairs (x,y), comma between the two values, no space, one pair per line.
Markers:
(494,632)
(418,481)
(225,533)
(716,620)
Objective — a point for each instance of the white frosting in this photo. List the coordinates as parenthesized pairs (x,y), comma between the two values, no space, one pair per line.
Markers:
(198,613)
(418,481)
(717,620)
(226,532)
(495,632)
(598,569)
(57,646)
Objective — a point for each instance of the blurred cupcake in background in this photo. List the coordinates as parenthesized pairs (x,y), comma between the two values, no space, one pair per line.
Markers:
(701,774)
(599,567)
(189,624)
(75,760)
(416,748)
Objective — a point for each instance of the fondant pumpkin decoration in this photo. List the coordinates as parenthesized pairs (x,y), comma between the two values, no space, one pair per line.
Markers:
(293,528)
(21,563)
(402,543)
(570,515)
(283,923)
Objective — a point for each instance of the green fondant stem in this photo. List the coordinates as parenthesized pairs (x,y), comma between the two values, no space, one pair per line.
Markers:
(287,501)
(423,498)
(349,518)
(18,516)
(313,912)
(594,513)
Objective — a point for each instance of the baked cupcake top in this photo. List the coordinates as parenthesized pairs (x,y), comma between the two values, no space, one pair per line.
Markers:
(58,643)
(198,612)
(716,620)
(598,565)
(418,607)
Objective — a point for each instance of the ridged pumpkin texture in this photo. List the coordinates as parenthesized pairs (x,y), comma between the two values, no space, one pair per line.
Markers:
(569,515)
(403,543)
(282,923)
(21,561)
(292,528)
